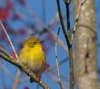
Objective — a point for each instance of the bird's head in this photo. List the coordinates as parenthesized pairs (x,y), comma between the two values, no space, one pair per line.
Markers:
(32,41)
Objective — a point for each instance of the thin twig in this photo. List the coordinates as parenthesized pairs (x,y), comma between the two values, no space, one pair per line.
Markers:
(7,71)
(24,80)
(4,29)
(68,40)
(4,68)
(51,71)
(70,48)
(17,80)
(4,52)
(55,19)
(47,28)
(19,72)
(60,63)
(57,64)
(78,15)
(42,24)
(56,80)
(25,69)
(62,23)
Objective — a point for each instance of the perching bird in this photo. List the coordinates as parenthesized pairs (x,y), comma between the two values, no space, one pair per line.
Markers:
(33,56)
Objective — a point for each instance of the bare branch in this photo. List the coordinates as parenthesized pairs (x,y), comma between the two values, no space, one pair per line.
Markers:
(57,64)
(25,69)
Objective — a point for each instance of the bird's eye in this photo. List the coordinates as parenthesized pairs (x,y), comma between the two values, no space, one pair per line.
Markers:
(35,42)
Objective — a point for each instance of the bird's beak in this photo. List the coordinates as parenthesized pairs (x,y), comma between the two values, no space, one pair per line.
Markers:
(42,41)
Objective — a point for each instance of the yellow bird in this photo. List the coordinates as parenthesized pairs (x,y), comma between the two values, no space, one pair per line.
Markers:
(33,56)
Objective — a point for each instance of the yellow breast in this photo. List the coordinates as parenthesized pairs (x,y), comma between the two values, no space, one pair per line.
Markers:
(33,58)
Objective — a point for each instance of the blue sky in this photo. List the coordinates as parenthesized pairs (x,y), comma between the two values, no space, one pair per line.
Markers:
(51,10)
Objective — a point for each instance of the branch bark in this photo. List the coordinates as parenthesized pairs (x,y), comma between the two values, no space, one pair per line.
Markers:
(23,68)
(85,44)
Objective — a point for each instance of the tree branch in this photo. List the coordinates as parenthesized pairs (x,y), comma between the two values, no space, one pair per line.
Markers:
(25,69)
(70,47)
(62,23)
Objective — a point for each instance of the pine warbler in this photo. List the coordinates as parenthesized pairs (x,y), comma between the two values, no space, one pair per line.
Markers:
(33,56)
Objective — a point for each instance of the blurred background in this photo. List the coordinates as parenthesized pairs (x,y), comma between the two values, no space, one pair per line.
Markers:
(39,18)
